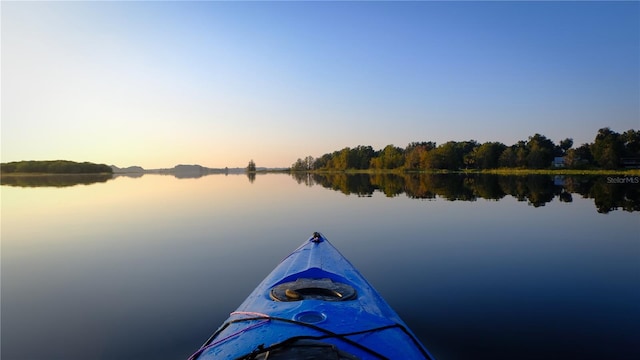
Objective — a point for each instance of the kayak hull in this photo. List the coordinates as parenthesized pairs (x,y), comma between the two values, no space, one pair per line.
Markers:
(314,304)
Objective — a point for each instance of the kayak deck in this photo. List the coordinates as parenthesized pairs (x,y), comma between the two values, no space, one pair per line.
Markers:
(314,305)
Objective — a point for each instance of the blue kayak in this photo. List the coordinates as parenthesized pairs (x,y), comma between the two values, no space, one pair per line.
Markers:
(313,305)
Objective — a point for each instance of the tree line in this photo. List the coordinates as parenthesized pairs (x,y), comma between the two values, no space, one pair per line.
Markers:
(54,167)
(609,150)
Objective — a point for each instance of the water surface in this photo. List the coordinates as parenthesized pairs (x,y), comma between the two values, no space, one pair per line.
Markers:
(149,267)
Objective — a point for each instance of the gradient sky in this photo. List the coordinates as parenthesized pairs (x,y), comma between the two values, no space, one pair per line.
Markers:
(218,83)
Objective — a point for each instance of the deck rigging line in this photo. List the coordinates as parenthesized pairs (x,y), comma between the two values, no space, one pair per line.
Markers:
(329,334)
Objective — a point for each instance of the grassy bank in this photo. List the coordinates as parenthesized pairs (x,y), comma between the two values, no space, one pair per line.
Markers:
(628,172)
(504,171)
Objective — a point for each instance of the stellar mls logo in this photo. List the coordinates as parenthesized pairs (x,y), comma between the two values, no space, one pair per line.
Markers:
(623,180)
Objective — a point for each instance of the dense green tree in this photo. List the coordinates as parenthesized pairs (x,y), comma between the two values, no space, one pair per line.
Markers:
(521,152)
(446,156)
(347,158)
(433,160)
(507,158)
(465,151)
(391,157)
(322,162)
(541,150)
(309,162)
(607,148)
(579,157)
(299,165)
(565,145)
(252,166)
(416,153)
(631,140)
(487,155)
(341,161)
(426,145)
(571,159)
(451,155)
(361,156)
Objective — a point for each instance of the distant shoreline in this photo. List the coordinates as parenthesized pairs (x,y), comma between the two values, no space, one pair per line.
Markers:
(25,174)
(369,172)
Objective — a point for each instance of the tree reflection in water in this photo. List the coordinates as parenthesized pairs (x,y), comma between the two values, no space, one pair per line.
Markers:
(536,190)
(54,180)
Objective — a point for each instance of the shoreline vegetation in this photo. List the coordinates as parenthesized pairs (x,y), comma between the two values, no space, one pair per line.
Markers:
(611,153)
(498,171)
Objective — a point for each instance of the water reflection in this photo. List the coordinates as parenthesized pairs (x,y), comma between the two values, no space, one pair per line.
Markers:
(536,190)
(54,180)
(152,266)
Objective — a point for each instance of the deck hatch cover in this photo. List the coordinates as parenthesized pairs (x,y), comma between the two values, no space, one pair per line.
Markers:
(313,289)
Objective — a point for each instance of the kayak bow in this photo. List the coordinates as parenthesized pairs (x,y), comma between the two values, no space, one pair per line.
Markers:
(313,305)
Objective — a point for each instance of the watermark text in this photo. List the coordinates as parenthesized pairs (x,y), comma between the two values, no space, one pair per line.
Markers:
(623,180)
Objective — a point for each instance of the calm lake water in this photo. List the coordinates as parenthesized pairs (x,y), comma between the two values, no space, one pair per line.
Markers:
(478,267)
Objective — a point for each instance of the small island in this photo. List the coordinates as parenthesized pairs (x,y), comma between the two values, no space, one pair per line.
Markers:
(34,167)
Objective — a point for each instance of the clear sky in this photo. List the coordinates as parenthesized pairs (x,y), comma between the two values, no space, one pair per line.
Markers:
(157,84)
